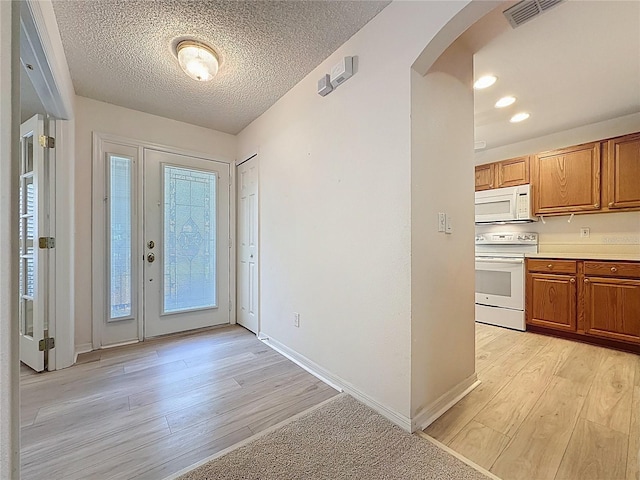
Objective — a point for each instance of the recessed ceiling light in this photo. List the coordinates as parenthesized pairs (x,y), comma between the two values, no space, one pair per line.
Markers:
(484,82)
(505,102)
(519,117)
(197,60)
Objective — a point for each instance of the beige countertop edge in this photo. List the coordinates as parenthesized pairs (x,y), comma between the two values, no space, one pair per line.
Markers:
(634,257)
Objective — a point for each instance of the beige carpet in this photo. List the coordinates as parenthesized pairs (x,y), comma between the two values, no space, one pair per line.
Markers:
(341,439)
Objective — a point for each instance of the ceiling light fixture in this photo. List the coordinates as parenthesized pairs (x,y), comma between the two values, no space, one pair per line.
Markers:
(197,60)
(505,102)
(485,81)
(519,117)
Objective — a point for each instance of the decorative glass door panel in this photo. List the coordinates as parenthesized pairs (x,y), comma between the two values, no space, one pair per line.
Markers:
(189,255)
(186,231)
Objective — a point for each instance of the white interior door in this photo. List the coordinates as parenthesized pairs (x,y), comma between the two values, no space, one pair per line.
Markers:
(186,237)
(247,251)
(33,260)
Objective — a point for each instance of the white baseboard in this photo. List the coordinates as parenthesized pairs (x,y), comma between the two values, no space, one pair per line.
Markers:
(429,414)
(336,382)
(82,348)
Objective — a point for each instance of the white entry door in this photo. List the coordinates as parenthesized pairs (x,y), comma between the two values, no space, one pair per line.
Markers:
(186,243)
(33,260)
(247,255)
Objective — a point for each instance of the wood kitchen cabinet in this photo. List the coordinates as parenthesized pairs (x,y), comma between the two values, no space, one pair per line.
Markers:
(512,172)
(622,172)
(485,177)
(507,173)
(567,180)
(611,303)
(551,294)
(593,301)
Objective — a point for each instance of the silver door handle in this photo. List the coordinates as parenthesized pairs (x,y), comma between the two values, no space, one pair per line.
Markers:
(151,258)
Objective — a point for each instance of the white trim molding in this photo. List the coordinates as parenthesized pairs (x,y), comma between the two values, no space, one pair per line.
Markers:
(429,414)
(9,155)
(82,348)
(98,243)
(336,382)
(41,45)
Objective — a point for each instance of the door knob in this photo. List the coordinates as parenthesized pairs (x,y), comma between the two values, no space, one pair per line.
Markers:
(572,280)
(151,244)
(614,269)
(151,258)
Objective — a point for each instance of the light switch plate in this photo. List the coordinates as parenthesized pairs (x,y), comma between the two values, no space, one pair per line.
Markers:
(448,224)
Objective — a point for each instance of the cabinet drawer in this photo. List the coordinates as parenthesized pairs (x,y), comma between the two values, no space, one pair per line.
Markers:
(552,266)
(612,269)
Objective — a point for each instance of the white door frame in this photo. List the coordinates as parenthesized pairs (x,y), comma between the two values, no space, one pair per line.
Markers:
(41,46)
(98,244)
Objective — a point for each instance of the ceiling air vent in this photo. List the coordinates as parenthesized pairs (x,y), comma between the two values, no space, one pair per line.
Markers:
(524,11)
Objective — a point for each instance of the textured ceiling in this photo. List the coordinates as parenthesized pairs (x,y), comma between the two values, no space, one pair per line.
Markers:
(121,52)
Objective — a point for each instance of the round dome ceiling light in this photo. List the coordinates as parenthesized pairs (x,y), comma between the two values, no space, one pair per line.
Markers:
(519,117)
(484,82)
(197,60)
(505,102)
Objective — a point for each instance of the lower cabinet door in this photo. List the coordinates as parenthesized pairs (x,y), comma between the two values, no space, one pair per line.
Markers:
(612,308)
(551,301)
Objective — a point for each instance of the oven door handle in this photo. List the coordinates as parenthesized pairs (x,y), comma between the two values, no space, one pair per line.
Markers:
(515,261)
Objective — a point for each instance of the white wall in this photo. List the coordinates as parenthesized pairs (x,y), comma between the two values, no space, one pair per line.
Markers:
(575,136)
(95,116)
(335,206)
(442,265)
(609,233)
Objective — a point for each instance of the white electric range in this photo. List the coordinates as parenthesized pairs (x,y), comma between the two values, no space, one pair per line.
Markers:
(500,277)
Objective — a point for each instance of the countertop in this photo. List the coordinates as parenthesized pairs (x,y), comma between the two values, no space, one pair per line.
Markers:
(635,257)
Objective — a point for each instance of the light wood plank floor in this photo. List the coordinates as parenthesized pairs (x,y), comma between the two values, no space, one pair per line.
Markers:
(149,410)
(547,408)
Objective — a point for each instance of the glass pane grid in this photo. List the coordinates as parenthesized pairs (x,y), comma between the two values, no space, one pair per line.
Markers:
(120,227)
(189,239)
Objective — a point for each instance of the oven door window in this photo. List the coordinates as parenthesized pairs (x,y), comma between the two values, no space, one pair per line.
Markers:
(493,282)
(500,284)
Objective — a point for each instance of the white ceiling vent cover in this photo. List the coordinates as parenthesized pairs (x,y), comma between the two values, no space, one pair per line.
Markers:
(524,11)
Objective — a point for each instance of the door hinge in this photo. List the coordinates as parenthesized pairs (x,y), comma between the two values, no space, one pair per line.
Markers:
(230,243)
(230,305)
(47,142)
(46,344)
(47,242)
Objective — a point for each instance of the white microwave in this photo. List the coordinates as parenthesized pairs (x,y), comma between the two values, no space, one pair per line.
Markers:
(505,205)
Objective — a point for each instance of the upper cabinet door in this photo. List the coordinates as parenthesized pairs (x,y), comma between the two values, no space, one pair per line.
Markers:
(513,172)
(623,172)
(485,175)
(567,180)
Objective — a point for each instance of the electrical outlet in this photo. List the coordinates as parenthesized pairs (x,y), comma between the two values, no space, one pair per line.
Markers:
(585,232)
(296,319)
(441,222)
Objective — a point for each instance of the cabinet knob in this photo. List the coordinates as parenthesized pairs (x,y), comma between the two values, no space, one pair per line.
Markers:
(596,205)
(572,280)
(549,266)
(610,204)
(586,280)
(614,269)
